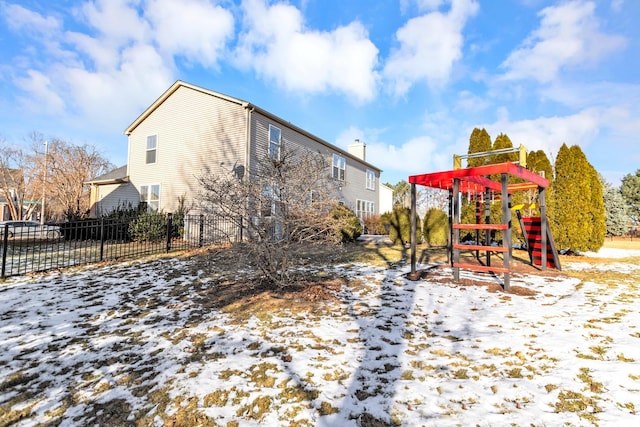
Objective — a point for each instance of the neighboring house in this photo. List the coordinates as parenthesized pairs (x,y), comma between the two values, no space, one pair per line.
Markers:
(11,185)
(190,130)
(386,199)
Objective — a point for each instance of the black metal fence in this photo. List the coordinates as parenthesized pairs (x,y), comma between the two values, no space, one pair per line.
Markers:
(28,247)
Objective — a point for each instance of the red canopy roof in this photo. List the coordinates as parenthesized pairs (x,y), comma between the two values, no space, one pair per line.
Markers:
(476,179)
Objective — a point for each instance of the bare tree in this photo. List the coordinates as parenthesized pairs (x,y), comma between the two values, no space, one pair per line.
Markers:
(282,203)
(17,185)
(68,168)
(56,174)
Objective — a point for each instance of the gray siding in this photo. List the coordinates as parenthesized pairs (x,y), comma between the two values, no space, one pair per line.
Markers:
(196,133)
(352,188)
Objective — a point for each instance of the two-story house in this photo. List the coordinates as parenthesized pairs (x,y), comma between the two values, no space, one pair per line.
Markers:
(190,130)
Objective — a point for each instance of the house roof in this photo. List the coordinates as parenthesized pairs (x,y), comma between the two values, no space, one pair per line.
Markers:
(115,176)
(179,83)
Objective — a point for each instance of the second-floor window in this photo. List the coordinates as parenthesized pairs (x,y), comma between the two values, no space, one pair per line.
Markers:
(150,196)
(338,167)
(152,146)
(371,180)
(274,142)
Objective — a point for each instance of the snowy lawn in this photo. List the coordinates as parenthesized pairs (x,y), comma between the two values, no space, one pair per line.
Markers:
(159,343)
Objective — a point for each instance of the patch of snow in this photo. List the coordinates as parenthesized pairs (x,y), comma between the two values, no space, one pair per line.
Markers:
(613,253)
(429,352)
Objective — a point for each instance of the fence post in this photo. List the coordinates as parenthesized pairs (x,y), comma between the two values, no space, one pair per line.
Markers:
(5,246)
(101,238)
(169,230)
(201,232)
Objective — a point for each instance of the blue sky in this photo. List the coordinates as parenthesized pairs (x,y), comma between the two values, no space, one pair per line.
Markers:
(410,78)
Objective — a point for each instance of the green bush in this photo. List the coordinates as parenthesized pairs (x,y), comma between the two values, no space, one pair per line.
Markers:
(347,227)
(149,227)
(435,228)
(125,212)
(398,222)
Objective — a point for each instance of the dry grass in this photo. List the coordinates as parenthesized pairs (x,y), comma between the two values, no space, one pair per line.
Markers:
(622,243)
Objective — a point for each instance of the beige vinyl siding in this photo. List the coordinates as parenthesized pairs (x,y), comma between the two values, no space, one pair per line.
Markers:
(201,131)
(196,132)
(111,196)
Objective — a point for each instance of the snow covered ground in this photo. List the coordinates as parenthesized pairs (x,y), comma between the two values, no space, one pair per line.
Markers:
(139,344)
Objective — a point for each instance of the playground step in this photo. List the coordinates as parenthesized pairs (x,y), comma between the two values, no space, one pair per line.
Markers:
(480,226)
(481,267)
(481,248)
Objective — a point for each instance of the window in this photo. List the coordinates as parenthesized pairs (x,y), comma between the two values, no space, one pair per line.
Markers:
(365,209)
(267,206)
(338,167)
(150,196)
(152,145)
(274,142)
(371,180)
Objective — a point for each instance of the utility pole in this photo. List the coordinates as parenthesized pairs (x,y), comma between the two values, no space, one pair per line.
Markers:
(44,181)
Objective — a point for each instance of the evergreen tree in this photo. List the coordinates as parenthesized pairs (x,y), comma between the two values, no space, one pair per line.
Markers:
(563,224)
(597,213)
(615,208)
(538,162)
(630,190)
(479,141)
(578,220)
(402,194)
(503,141)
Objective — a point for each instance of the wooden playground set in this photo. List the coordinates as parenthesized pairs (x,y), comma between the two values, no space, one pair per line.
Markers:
(475,182)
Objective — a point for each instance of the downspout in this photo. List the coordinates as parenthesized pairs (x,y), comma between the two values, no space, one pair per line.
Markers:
(247,155)
(247,159)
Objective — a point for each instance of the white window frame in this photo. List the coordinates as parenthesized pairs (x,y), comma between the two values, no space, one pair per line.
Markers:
(146,193)
(371,180)
(339,167)
(365,208)
(152,149)
(275,142)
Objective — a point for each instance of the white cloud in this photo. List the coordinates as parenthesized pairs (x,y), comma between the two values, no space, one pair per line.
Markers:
(97,96)
(429,47)
(130,49)
(470,102)
(549,133)
(415,156)
(275,43)
(118,22)
(195,29)
(22,19)
(568,35)
(41,94)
